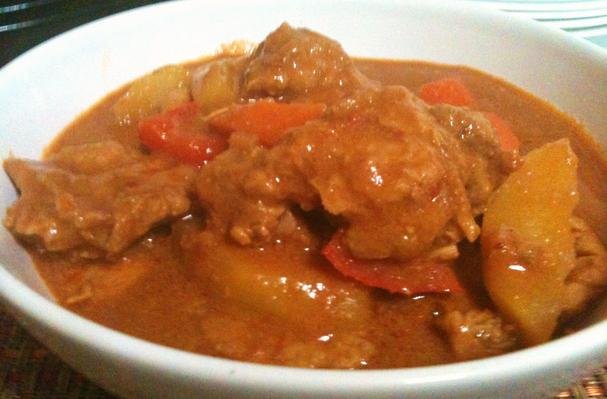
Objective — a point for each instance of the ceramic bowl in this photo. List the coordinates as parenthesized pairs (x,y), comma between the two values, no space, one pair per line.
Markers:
(46,88)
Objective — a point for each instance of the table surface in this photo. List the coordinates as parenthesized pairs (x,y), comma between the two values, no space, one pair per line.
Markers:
(27,368)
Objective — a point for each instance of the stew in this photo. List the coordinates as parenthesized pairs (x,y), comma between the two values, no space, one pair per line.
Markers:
(296,206)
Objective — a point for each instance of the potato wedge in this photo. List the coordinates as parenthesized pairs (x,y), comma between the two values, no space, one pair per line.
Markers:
(216,85)
(156,92)
(303,291)
(527,242)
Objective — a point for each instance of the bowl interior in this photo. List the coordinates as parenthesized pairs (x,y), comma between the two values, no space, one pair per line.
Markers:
(49,86)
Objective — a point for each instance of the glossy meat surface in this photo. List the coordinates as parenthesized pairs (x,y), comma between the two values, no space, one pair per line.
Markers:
(298,63)
(95,199)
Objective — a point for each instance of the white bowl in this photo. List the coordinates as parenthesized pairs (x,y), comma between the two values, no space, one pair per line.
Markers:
(47,87)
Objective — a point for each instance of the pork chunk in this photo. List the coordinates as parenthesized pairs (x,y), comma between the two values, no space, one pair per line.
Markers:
(94,199)
(488,164)
(380,161)
(475,334)
(588,279)
(296,62)
(249,192)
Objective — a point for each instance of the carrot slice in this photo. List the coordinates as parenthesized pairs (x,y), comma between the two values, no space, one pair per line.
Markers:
(446,91)
(267,119)
(417,276)
(506,137)
(180,133)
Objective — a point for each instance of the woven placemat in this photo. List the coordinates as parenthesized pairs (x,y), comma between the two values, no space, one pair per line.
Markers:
(29,371)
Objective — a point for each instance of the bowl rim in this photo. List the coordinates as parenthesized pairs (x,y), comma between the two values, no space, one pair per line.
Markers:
(25,301)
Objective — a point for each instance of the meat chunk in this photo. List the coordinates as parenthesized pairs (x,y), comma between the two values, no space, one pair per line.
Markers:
(475,334)
(489,164)
(378,159)
(469,126)
(248,192)
(93,158)
(588,279)
(296,62)
(381,162)
(94,199)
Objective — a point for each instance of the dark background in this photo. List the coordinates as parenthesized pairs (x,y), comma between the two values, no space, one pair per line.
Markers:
(24,24)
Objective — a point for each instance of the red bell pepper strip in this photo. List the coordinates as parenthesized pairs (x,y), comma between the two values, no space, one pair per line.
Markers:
(413,277)
(180,133)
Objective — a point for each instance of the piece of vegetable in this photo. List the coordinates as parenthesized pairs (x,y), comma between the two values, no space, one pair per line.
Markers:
(267,119)
(506,137)
(417,276)
(180,132)
(216,85)
(527,242)
(283,281)
(446,91)
(156,92)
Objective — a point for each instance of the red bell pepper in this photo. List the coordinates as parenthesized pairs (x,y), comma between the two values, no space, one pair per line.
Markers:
(412,277)
(180,133)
